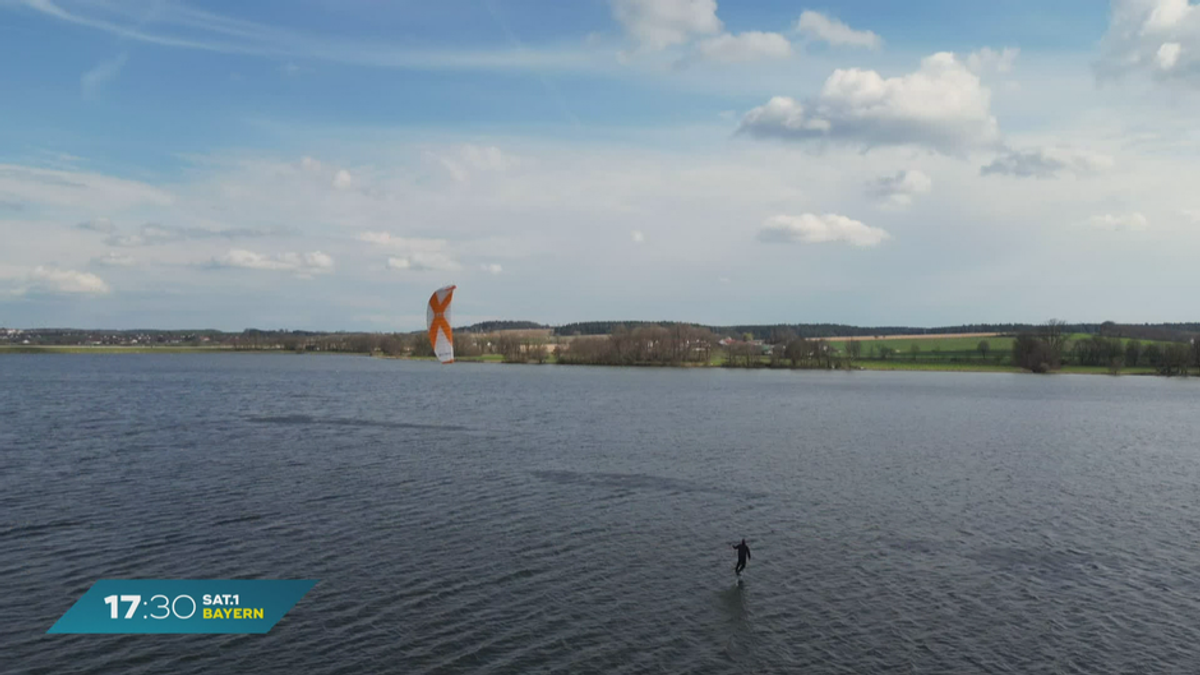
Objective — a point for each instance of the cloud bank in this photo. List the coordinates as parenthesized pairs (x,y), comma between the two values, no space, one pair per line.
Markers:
(942,107)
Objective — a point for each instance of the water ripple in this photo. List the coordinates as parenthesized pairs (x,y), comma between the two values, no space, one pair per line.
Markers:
(580,520)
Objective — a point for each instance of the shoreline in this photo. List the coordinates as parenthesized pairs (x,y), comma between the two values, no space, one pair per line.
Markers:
(860,366)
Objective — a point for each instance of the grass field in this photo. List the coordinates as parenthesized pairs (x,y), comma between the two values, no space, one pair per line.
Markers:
(950,348)
(928,346)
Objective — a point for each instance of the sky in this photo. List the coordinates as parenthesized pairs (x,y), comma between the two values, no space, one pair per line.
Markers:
(328,164)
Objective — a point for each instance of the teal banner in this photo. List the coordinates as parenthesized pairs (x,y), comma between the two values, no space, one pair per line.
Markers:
(183,606)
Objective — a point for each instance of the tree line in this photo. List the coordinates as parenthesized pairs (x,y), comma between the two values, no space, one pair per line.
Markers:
(767,331)
(685,344)
(645,344)
(1163,332)
(1048,349)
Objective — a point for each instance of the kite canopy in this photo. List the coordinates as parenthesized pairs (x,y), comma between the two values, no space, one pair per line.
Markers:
(437,316)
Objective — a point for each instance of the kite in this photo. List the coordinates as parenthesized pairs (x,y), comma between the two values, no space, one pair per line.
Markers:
(437,316)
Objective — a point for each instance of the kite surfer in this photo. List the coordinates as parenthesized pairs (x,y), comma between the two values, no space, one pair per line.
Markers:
(743,552)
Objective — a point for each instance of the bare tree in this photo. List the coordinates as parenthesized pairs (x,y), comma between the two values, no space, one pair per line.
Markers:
(796,351)
(392,345)
(509,347)
(1175,360)
(534,349)
(419,345)
(466,344)
(984,348)
(854,349)
(1034,354)
(1055,336)
(743,354)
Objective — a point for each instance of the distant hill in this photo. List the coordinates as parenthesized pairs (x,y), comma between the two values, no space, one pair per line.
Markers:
(807,330)
(1164,332)
(494,326)
(1170,332)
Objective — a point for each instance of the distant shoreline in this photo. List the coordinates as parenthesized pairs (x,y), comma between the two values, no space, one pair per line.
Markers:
(135,349)
(861,366)
(916,336)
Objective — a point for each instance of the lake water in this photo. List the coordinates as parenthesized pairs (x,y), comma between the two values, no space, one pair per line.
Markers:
(519,519)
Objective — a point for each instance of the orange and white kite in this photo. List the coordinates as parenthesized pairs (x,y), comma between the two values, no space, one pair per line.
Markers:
(437,316)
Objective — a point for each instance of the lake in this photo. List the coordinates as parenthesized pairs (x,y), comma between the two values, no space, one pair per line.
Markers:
(487,518)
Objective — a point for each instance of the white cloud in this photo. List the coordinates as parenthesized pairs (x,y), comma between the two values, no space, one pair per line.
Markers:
(817,26)
(942,106)
(317,259)
(486,157)
(638,237)
(987,60)
(457,171)
(113,259)
(811,228)
(1158,38)
(52,280)
(658,24)
(153,234)
(723,280)
(87,191)
(1130,222)
(491,268)
(1168,55)
(463,160)
(743,47)
(1191,214)
(424,262)
(419,254)
(570,211)
(310,164)
(95,79)
(102,225)
(407,244)
(342,180)
(1048,162)
(306,263)
(898,191)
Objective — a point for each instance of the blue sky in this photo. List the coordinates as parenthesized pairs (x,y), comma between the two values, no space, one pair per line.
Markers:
(325,165)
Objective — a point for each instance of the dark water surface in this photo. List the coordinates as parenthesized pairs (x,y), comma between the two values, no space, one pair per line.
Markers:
(506,519)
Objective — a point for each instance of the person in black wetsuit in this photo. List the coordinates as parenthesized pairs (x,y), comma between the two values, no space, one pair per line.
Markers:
(743,555)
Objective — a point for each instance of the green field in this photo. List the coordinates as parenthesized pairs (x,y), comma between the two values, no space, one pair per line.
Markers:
(952,349)
(957,346)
